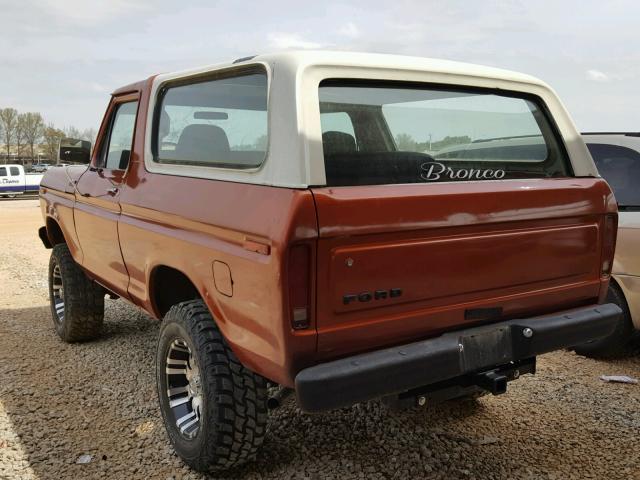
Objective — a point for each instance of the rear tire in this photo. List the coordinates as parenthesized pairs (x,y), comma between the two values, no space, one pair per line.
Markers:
(619,342)
(214,409)
(77,302)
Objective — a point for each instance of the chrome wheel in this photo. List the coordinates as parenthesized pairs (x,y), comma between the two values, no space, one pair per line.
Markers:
(184,388)
(58,293)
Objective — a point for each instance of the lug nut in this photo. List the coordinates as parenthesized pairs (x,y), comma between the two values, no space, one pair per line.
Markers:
(527,332)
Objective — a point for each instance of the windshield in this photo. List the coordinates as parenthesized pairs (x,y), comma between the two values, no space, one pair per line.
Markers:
(396,133)
(620,167)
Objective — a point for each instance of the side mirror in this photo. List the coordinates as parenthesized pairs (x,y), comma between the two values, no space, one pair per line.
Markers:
(73,150)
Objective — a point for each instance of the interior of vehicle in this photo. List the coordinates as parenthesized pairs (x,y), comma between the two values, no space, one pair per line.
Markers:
(217,122)
(392,133)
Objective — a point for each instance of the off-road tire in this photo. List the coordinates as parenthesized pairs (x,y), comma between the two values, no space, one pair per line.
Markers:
(233,408)
(83,308)
(619,342)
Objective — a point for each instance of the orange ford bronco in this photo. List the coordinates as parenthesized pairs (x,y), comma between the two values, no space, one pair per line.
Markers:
(347,226)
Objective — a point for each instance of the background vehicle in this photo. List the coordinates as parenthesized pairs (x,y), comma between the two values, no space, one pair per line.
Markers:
(40,167)
(617,156)
(14,181)
(276,226)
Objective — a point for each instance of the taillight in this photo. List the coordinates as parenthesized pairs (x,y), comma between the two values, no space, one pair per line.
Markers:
(299,286)
(609,242)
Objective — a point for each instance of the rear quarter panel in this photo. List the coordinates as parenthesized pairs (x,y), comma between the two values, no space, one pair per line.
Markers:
(188,223)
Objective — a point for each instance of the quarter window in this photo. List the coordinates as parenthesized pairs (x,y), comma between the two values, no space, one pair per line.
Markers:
(213,123)
(14,171)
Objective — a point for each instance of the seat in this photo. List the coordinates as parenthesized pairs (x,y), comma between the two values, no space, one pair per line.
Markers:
(202,143)
(338,142)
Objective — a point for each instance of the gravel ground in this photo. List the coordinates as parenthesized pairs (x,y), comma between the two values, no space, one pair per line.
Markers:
(58,402)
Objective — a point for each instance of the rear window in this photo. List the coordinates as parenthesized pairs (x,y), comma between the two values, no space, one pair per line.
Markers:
(400,133)
(215,123)
(620,167)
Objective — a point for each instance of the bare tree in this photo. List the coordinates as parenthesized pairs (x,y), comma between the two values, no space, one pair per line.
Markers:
(88,134)
(8,119)
(34,128)
(20,134)
(72,132)
(52,137)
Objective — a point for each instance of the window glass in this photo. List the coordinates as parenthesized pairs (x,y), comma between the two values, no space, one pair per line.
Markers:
(413,134)
(337,132)
(620,167)
(121,137)
(3,171)
(15,171)
(218,123)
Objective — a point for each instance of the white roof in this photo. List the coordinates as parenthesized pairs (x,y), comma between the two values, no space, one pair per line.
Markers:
(300,59)
(295,157)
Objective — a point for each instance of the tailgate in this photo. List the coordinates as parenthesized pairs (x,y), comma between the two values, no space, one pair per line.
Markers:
(399,262)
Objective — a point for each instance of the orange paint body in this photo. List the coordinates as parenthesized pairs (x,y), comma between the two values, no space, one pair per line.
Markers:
(449,247)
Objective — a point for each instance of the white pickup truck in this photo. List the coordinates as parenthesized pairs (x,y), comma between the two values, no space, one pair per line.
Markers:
(14,181)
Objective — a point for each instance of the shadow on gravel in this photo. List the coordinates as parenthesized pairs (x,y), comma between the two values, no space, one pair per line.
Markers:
(66,400)
(99,399)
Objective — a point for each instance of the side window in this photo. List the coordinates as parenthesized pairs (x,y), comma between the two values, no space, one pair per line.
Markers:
(117,152)
(216,123)
(3,171)
(620,167)
(14,171)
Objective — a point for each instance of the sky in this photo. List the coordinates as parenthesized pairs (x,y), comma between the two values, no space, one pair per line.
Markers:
(64,57)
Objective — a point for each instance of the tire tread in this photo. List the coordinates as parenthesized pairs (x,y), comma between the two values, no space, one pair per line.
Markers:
(83,299)
(239,396)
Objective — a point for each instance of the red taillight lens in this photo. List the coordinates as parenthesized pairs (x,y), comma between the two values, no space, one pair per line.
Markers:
(298,279)
(609,242)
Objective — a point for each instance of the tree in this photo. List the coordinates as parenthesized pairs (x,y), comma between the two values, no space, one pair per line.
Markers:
(8,119)
(20,134)
(33,130)
(88,134)
(52,137)
(405,142)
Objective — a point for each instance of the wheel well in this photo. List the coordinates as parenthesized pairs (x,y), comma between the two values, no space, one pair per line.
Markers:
(54,232)
(168,287)
(613,283)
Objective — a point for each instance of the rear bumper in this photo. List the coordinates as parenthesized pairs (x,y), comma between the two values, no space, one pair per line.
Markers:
(394,370)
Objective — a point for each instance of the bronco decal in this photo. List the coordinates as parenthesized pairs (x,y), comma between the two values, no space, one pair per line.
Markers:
(434,171)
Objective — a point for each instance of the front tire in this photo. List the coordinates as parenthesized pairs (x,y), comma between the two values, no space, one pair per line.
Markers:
(214,409)
(619,342)
(77,302)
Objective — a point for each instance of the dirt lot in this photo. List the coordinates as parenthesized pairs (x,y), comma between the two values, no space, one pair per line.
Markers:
(58,402)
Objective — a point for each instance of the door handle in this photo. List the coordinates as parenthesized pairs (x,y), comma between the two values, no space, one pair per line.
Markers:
(113,191)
